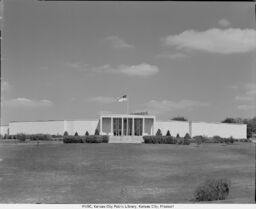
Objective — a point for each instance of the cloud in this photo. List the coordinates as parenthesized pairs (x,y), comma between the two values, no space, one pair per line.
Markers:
(250,89)
(141,70)
(222,41)
(77,66)
(247,99)
(103,99)
(244,98)
(25,102)
(246,107)
(118,43)
(249,93)
(224,23)
(164,106)
(234,87)
(172,56)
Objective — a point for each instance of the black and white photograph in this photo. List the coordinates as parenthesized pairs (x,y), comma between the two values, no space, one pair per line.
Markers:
(128,102)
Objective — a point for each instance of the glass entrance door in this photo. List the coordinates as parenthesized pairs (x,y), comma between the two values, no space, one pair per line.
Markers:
(138,126)
(117,126)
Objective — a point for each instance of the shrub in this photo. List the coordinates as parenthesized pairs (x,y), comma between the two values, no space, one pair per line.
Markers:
(158,140)
(186,142)
(86,139)
(21,137)
(76,134)
(72,139)
(86,133)
(159,132)
(65,133)
(218,139)
(180,141)
(97,139)
(199,139)
(168,133)
(41,137)
(187,136)
(229,140)
(97,132)
(212,189)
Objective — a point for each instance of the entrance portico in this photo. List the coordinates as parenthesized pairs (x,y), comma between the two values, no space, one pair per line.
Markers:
(127,125)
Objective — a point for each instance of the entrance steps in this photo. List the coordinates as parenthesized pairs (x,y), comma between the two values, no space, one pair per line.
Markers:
(126,139)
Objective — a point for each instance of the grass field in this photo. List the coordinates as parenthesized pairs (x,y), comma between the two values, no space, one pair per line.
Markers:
(122,173)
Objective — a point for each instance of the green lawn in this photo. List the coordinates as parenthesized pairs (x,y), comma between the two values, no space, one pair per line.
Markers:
(122,173)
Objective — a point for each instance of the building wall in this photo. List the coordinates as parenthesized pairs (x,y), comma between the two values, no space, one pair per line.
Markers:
(175,127)
(106,125)
(237,131)
(4,130)
(148,126)
(81,126)
(36,127)
(225,130)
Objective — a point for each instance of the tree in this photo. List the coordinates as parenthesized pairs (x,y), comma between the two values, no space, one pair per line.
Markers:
(86,133)
(187,136)
(168,133)
(159,132)
(233,120)
(177,136)
(180,118)
(97,132)
(251,124)
(65,133)
(76,134)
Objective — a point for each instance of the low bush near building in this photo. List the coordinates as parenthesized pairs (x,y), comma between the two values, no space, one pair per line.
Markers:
(159,132)
(245,140)
(86,139)
(21,137)
(212,189)
(198,139)
(214,139)
(73,139)
(40,137)
(97,139)
(168,133)
(165,140)
(159,139)
(187,136)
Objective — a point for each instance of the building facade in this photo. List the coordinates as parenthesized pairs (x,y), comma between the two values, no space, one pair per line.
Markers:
(127,125)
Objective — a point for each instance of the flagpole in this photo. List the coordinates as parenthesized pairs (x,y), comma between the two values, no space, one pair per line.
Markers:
(127,106)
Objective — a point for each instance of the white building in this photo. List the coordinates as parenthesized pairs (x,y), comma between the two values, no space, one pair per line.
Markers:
(127,125)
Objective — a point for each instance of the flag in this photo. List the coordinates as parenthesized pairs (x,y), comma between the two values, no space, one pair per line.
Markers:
(122,99)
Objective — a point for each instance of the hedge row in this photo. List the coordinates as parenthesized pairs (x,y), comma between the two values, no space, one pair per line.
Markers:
(165,140)
(33,137)
(215,139)
(86,139)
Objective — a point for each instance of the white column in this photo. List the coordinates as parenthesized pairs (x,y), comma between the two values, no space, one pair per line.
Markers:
(111,125)
(133,126)
(143,126)
(126,126)
(122,126)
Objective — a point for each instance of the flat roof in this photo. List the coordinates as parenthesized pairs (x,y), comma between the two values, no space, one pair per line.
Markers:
(127,116)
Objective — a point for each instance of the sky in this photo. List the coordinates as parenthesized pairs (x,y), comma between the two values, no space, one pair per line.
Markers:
(73,60)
